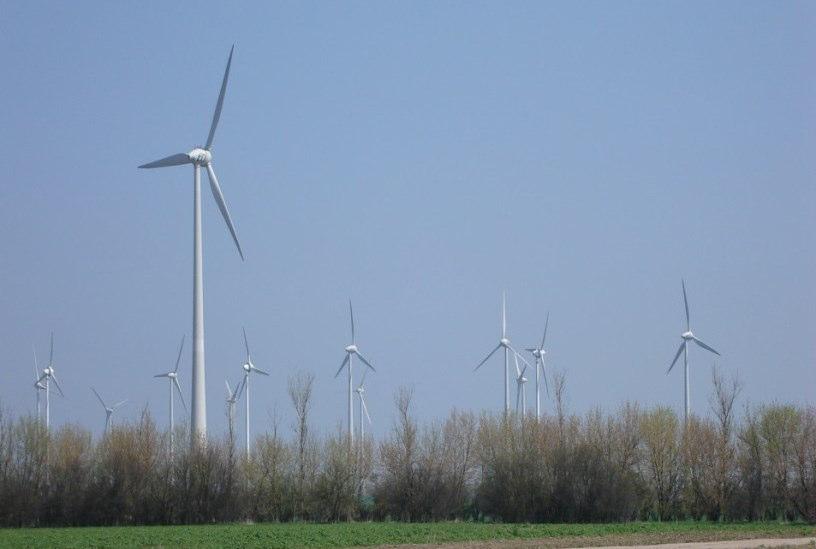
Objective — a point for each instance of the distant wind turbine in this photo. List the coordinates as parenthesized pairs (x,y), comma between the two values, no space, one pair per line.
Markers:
(687,336)
(201,157)
(47,376)
(38,385)
(504,342)
(363,407)
(249,367)
(109,410)
(232,398)
(351,351)
(174,383)
(538,354)
(521,388)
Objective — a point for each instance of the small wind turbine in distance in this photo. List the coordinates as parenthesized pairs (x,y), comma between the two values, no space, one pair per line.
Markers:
(363,407)
(47,376)
(201,157)
(351,351)
(38,385)
(687,336)
(232,398)
(109,410)
(521,389)
(249,367)
(504,342)
(538,354)
(174,383)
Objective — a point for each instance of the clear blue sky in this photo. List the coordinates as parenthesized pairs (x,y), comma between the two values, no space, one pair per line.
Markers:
(418,157)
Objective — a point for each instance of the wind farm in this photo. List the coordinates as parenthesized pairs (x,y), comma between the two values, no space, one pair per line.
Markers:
(420,190)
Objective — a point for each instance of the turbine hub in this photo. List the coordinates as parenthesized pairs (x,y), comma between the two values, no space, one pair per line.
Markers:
(172,375)
(246,367)
(504,342)
(687,335)
(200,156)
(539,353)
(351,349)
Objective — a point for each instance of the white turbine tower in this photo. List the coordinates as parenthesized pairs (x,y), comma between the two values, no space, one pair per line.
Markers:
(47,376)
(249,367)
(174,383)
(521,388)
(232,398)
(687,336)
(38,385)
(351,351)
(538,354)
(201,157)
(504,342)
(363,407)
(109,410)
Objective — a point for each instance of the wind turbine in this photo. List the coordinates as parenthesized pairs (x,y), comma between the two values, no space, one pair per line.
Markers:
(38,384)
(249,367)
(48,375)
(538,354)
(363,407)
(232,398)
(504,342)
(108,410)
(521,388)
(351,351)
(173,378)
(687,336)
(201,157)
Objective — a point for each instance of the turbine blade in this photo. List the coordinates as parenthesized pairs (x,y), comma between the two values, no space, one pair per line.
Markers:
(362,380)
(118,404)
(178,360)
(342,365)
(36,366)
(162,375)
(706,347)
(544,375)
(485,359)
(679,351)
(518,394)
(220,103)
(102,402)
(685,302)
(222,205)
(246,342)
(256,369)
(181,396)
(546,325)
(56,382)
(229,389)
(51,356)
(351,314)
(239,391)
(516,353)
(365,409)
(518,371)
(367,363)
(504,314)
(172,160)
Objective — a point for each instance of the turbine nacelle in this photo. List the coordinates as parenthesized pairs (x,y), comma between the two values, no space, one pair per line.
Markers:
(539,353)
(687,335)
(200,156)
(351,349)
(247,366)
(504,342)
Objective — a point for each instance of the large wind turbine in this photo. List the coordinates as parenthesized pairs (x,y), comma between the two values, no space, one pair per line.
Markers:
(173,378)
(538,354)
(363,407)
(48,375)
(504,342)
(351,351)
(687,336)
(201,157)
(109,410)
(249,367)
(38,384)
(521,388)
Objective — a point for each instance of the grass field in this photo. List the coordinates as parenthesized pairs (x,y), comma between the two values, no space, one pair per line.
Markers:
(368,534)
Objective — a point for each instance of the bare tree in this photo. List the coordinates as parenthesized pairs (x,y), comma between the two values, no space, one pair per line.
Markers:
(300,392)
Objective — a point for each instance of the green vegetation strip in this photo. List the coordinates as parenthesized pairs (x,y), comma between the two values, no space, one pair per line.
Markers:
(368,534)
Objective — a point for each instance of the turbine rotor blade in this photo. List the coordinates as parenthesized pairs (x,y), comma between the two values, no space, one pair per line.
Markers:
(362,380)
(546,325)
(172,160)
(679,352)
(36,366)
(518,371)
(485,359)
(162,375)
(118,404)
(181,396)
(222,205)
(229,389)
(220,103)
(102,402)
(706,347)
(178,360)
(51,356)
(504,314)
(685,302)
(544,375)
(342,365)
(246,342)
(240,388)
(256,369)
(56,382)
(365,409)
(367,363)
(516,353)
(351,314)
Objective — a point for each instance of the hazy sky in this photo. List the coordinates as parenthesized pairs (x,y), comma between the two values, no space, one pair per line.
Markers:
(418,157)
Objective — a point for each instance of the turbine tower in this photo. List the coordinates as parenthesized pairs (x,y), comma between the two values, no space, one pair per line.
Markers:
(232,398)
(109,410)
(538,354)
(173,378)
(201,157)
(363,407)
(38,385)
(686,337)
(351,351)
(249,367)
(47,376)
(504,342)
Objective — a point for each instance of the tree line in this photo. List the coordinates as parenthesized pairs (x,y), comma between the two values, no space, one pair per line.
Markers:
(633,464)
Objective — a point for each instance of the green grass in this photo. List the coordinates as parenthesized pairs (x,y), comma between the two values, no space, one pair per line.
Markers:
(366,534)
